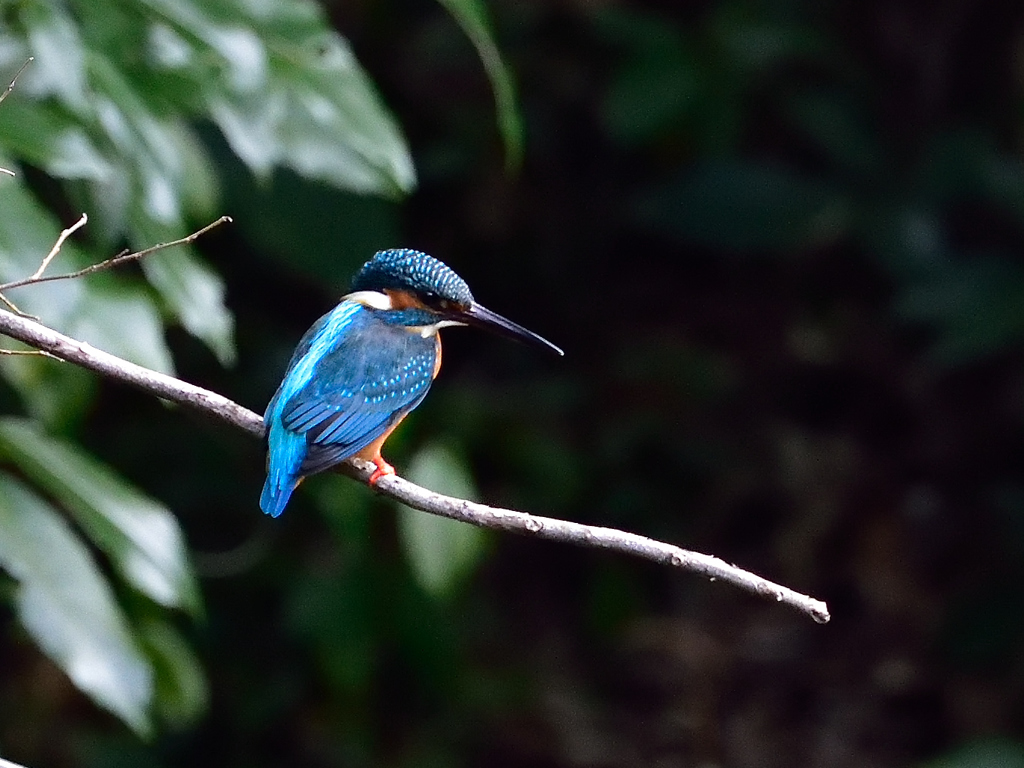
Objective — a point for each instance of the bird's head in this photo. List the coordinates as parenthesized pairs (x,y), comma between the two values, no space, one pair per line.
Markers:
(413,280)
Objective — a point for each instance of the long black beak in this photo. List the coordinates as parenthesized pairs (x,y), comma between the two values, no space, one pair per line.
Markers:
(484,318)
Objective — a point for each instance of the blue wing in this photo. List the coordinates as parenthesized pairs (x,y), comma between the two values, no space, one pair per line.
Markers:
(352,377)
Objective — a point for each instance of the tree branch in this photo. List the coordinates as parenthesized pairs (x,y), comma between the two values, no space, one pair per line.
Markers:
(122,258)
(167,387)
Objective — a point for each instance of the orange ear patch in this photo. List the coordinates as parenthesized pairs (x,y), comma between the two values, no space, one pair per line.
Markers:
(404,300)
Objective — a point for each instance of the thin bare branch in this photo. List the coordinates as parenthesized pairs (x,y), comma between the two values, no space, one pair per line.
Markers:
(9,764)
(5,94)
(27,353)
(64,235)
(10,305)
(10,86)
(116,261)
(213,404)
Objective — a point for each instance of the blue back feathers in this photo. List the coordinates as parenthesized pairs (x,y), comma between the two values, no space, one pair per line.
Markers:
(403,269)
(352,377)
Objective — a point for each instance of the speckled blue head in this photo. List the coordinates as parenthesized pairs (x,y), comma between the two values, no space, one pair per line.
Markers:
(403,269)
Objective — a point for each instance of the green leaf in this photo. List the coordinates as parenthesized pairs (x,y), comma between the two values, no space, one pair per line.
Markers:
(48,137)
(744,206)
(141,537)
(471,15)
(239,47)
(137,132)
(124,322)
(59,65)
(57,394)
(67,606)
(977,306)
(182,695)
(195,294)
(441,552)
(317,113)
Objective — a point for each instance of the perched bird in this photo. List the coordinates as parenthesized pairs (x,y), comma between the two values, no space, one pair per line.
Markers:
(365,365)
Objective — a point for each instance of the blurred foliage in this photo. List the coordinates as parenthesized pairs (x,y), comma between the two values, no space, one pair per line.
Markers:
(107,110)
(107,106)
(780,243)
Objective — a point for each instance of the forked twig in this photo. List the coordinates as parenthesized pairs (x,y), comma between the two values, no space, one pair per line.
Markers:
(122,258)
(64,235)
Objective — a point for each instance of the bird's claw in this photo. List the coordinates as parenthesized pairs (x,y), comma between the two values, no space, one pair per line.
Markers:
(383,468)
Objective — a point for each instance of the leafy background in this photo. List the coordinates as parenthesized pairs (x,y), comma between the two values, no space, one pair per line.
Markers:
(780,243)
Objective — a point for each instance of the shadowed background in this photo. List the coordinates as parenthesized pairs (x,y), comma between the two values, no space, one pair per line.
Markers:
(780,245)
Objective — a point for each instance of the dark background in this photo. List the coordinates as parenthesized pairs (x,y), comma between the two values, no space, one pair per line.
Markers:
(780,244)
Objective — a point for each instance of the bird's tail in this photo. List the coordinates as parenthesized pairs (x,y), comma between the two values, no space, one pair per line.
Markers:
(275,495)
(284,458)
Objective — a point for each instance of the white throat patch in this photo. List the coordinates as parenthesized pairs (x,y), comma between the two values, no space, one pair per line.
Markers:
(371,299)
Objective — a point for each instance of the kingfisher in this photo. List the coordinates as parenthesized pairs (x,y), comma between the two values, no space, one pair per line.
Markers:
(362,367)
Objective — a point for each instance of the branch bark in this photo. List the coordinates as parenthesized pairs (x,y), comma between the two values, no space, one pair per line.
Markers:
(174,390)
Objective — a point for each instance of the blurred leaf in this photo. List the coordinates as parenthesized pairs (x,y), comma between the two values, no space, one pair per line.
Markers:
(125,323)
(136,131)
(657,84)
(182,693)
(51,139)
(743,206)
(833,121)
(195,294)
(141,537)
(908,237)
(317,112)
(987,753)
(287,217)
(55,393)
(758,36)
(967,165)
(441,552)
(59,65)
(200,185)
(335,610)
(240,48)
(977,306)
(165,155)
(472,17)
(67,606)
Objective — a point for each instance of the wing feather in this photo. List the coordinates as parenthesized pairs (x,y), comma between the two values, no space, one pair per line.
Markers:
(363,384)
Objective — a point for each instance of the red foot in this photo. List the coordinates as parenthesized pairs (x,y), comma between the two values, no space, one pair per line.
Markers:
(383,468)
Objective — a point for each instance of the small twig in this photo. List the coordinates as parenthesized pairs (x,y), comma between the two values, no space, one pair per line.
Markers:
(14,79)
(169,388)
(116,261)
(10,305)
(5,94)
(56,248)
(27,353)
